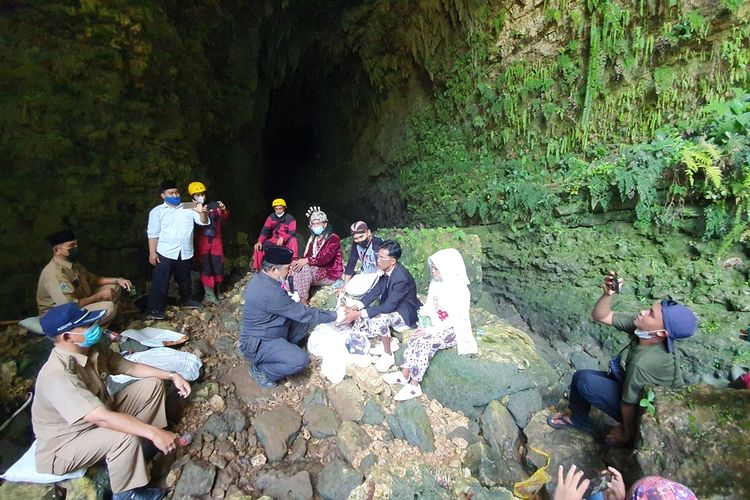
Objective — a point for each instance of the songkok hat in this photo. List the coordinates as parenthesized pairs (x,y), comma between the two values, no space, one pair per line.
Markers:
(60,237)
(65,317)
(359,227)
(679,321)
(278,256)
(167,185)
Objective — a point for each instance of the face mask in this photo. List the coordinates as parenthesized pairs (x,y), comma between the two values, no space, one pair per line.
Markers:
(364,243)
(172,200)
(91,336)
(643,334)
(318,230)
(73,254)
(280,215)
(200,199)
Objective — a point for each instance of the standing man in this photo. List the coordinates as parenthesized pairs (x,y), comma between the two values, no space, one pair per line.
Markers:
(64,280)
(365,247)
(273,325)
(76,421)
(652,360)
(170,247)
(210,251)
(398,304)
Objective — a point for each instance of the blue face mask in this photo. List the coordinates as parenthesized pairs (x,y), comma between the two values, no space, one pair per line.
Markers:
(318,230)
(172,200)
(91,336)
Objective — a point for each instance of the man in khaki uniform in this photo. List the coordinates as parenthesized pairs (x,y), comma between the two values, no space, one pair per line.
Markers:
(76,421)
(64,280)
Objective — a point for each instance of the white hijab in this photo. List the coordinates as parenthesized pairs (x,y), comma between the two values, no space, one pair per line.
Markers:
(451,294)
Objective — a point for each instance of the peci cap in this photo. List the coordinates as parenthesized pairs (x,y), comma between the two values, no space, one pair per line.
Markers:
(278,256)
(679,321)
(65,317)
(60,237)
(359,227)
(167,185)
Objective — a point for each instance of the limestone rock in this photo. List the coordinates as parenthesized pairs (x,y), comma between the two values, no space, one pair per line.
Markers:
(196,479)
(367,378)
(275,430)
(316,396)
(491,468)
(566,446)
(394,426)
(373,413)
(27,491)
(236,420)
(500,430)
(337,480)
(278,485)
(351,439)
(508,362)
(395,480)
(367,463)
(298,448)
(217,403)
(348,400)
(224,344)
(469,487)
(699,429)
(203,391)
(216,426)
(522,405)
(415,424)
(321,421)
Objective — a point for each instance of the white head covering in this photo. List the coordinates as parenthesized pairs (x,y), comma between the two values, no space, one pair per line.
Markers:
(450,263)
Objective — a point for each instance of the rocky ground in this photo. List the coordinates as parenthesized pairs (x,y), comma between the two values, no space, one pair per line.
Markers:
(479,429)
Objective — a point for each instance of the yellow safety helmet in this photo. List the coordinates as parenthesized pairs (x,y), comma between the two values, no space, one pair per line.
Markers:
(196,187)
(278,202)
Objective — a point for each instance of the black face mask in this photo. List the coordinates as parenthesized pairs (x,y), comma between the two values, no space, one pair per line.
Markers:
(73,254)
(364,243)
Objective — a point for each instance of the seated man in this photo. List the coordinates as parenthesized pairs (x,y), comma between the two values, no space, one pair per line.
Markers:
(76,421)
(365,247)
(397,307)
(651,361)
(273,325)
(64,280)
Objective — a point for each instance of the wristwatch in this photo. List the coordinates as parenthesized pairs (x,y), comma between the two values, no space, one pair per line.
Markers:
(171,375)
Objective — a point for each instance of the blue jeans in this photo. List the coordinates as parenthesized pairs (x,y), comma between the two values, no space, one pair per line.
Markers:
(594,388)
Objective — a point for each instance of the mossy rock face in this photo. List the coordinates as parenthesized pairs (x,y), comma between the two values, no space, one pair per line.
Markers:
(508,362)
(28,491)
(695,430)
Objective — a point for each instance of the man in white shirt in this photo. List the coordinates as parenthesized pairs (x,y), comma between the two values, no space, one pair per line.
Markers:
(170,247)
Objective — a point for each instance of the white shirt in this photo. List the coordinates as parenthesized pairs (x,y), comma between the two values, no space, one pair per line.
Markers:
(173,226)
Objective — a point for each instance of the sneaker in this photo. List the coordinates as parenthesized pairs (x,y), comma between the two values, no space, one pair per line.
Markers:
(409,391)
(139,494)
(156,315)
(260,378)
(191,304)
(394,378)
(378,349)
(384,363)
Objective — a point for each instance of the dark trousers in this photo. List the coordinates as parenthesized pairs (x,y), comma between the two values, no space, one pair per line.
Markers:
(278,358)
(157,297)
(594,388)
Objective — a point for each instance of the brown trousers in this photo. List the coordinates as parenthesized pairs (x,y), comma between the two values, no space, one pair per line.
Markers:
(143,399)
(109,305)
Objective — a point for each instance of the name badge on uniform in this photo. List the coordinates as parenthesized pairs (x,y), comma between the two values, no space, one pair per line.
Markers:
(71,368)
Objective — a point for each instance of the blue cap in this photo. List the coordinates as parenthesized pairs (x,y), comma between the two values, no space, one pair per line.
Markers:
(679,321)
(65,317)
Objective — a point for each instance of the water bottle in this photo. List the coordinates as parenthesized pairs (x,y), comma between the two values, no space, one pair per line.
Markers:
(186,439)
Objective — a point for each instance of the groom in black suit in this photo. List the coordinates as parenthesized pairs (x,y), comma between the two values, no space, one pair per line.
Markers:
(397,305)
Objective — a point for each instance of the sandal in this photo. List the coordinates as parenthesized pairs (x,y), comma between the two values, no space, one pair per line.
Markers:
(560,421)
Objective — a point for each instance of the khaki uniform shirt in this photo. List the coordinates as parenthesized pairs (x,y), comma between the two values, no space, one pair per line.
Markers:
(61,282)
(68,388)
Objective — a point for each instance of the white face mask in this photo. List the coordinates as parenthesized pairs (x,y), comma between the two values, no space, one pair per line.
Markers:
(201,198)
(279,214)
(643,334)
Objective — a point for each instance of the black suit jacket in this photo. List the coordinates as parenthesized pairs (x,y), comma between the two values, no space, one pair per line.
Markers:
(397,293)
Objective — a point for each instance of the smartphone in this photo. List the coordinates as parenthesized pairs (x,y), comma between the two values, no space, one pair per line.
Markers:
(189,205)
(615,283)
(599,484)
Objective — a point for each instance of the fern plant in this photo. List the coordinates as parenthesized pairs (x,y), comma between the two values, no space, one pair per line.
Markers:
(702,156)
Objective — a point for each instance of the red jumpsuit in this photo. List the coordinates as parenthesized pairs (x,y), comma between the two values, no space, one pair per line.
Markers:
(209,249)
(284,227)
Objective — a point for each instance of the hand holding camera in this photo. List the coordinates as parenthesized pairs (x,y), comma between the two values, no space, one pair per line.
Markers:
(612,283)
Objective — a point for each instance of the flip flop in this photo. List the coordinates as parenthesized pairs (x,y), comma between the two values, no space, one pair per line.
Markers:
(560,421)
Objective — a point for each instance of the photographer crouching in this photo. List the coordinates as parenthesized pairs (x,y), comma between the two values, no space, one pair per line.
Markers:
(651,360)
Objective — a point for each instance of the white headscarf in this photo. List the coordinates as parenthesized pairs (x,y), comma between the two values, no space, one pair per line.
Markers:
(451,295)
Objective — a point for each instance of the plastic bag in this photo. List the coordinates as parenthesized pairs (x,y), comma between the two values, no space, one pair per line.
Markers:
(186,364)
(530,488)
(155,337)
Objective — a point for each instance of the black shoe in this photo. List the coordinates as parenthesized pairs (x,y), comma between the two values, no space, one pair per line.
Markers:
(155,315)
(260,377)
(191,304)
(140,494)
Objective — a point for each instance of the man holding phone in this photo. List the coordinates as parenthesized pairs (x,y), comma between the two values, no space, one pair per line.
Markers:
(170,247)
(651,361)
